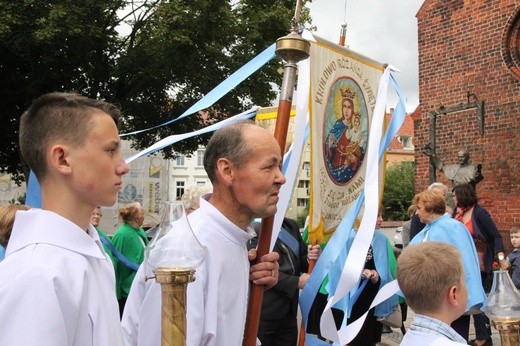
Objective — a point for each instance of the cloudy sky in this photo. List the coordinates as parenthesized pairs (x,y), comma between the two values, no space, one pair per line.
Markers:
(383,30)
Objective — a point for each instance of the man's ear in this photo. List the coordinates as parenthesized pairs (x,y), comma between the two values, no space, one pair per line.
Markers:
(58,159)
(225,171)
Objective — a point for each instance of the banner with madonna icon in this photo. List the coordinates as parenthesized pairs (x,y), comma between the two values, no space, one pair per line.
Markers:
(342,98)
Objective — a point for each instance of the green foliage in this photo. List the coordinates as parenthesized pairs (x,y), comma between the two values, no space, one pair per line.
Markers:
(50,46)
(19,200)
(163,57)
(300,219)
(399,190)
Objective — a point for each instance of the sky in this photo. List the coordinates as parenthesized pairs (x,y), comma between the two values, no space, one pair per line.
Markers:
(383,30)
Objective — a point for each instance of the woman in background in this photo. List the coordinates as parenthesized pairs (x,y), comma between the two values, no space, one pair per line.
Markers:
(431,209)
(130,240)
(191,197)
(488,242)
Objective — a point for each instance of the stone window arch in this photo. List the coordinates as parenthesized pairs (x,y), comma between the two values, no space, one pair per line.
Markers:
(511,43)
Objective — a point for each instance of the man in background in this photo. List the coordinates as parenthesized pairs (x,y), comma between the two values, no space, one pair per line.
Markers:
(278,319)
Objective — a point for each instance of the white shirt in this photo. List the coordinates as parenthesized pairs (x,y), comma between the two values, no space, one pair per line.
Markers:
(57,286)
(429,331)
(414,338)
(217,299)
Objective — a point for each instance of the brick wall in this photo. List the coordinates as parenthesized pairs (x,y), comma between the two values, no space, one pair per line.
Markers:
(460,50)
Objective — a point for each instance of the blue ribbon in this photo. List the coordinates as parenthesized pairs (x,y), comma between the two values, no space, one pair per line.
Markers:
(288,239)
(176,138)
(34,195)
(287,156)
(223,88)
(120,257)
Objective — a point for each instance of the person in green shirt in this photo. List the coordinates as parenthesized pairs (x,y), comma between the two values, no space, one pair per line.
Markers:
(95,219)
(130,240)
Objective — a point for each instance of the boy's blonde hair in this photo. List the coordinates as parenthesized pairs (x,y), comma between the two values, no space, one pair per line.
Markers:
(515,229)
(425,271)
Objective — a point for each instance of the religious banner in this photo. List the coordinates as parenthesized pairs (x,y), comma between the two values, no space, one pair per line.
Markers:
(342,99)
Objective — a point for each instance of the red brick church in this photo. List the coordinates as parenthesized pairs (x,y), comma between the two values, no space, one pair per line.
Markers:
(469,92)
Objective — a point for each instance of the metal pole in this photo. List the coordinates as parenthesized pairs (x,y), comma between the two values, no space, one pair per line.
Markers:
(292,48)
(343,34)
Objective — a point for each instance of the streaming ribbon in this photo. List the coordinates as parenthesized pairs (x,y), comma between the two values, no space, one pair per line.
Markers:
(223,88)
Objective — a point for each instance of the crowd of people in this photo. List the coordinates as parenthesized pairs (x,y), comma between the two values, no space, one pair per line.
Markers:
(470,228)
(65,282)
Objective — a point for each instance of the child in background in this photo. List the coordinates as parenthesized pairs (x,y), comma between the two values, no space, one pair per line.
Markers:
(513,258)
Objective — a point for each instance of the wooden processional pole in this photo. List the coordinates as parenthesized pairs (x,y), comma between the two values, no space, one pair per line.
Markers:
(291,48)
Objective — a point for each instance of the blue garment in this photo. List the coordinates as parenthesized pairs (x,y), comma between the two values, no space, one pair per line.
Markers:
(2,252)
(514,259)
(445,229)
(380,251)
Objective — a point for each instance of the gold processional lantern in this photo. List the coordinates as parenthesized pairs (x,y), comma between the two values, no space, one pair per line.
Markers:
(502,307)
(174,253)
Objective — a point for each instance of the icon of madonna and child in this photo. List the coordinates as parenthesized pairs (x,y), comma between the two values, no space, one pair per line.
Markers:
(345,132)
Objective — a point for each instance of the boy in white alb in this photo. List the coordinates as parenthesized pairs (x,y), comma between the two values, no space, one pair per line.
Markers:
(57,286)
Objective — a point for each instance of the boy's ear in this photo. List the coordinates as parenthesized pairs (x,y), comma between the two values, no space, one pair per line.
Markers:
(58,159)
(454,295)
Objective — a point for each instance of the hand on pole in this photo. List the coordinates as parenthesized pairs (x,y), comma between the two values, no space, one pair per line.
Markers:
(264,272)
(313,252)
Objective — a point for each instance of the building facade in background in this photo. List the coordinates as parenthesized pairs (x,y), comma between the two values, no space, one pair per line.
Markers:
(469,90)
(401,149)
(153,180)
(9,191)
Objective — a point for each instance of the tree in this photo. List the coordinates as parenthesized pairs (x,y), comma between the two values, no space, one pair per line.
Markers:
(398,190)
(168,55)
(47,46)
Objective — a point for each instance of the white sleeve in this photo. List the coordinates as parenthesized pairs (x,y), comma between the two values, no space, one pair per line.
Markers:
(196,313)
(130,322)
(37,308)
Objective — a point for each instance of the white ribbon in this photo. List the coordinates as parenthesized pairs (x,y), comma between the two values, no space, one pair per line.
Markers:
(356,257)
(179,137)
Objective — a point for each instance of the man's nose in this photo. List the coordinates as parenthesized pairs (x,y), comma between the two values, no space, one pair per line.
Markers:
(281,178)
